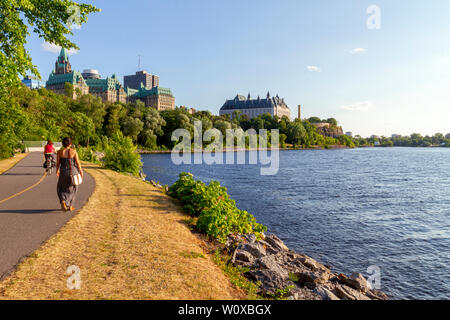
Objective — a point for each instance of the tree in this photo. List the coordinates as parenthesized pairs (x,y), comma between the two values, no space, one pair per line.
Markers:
(132,127)
(314,120)
(296,133)
(50,20)
(81,128)
(153,124)
(222,126)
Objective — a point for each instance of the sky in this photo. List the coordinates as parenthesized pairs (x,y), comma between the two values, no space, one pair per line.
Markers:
(394,79)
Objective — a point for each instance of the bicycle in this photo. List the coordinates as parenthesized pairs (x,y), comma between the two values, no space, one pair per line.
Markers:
(49,165)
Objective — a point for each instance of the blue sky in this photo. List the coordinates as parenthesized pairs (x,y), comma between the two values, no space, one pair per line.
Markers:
(396,81)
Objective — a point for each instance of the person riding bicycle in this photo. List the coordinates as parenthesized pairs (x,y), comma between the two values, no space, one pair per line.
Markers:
(50,152)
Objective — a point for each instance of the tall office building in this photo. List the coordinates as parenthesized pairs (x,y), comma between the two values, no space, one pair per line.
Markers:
(134,81)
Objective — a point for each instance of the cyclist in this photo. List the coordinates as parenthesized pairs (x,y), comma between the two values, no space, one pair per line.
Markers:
(50,153)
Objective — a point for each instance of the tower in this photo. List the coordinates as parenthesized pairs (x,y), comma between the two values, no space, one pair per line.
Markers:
(299,112)
(62,65)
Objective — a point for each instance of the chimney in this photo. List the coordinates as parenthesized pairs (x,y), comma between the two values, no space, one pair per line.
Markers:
(300,112)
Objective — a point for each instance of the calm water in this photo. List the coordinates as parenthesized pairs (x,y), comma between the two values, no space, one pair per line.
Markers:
(350,209)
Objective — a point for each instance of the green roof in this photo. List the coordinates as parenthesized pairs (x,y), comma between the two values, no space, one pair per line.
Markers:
(130,91)
(144,92)
(73,78)
(63,54)
(104,84)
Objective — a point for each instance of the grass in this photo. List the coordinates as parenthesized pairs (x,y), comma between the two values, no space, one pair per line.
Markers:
(130,241)
(7,164)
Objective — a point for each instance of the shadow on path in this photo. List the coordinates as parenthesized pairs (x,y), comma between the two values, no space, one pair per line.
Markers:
(31,211)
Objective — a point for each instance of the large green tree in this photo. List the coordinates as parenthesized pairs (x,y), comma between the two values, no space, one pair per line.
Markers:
(51,20)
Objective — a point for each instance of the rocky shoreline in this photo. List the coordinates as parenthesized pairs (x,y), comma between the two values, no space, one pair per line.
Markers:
(276,268)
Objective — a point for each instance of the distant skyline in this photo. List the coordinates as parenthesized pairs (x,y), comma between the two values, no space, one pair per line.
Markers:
(321,54)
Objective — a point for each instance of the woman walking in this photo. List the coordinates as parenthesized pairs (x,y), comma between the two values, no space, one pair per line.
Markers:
(67,165)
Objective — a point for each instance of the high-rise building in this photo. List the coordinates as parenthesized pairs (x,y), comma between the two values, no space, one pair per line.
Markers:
(134,81)
(252,108)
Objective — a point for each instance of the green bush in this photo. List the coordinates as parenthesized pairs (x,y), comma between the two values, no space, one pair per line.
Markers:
(121,155)
(217,214)
(87,154)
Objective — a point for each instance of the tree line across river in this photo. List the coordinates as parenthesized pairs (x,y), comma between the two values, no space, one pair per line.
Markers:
(43,115)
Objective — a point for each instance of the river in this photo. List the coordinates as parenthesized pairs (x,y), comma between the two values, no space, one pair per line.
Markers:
(350,209)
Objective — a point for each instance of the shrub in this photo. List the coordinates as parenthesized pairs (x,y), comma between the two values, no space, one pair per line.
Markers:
(121,155)
(217,214)
(87,154)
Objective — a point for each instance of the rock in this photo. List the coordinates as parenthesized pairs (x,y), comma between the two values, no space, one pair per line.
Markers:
(348,293)
(357,281)
(242,258)
(304,294)
(316,277)
(325,293)
(153,183)
(276,243)
(250,238)
(312,264)
(270,263)
(268,247)
(270,281)
(377,295)
(257,250)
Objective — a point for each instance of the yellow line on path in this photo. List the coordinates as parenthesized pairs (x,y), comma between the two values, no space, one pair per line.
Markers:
(23,191)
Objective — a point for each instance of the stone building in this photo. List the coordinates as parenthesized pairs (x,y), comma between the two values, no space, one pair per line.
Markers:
(63,74)
(134,81)
(252,108)
(159,98)
(109,89)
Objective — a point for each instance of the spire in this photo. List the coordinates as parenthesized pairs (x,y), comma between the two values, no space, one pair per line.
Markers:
(63,54)
(248,98)
(268,95)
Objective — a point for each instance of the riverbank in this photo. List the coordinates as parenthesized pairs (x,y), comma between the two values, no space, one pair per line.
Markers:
(7,164)
(130,241)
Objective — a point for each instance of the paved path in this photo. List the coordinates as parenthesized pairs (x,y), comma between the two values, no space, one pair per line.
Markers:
(31,218)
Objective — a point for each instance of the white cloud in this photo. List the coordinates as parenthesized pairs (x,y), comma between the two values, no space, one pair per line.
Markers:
(360,106)
(358,51)
(314,69)
(53,48)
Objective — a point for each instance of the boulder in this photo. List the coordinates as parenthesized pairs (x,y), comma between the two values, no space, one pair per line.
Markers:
(270,263)
(358,282)
(242,258)
(325,293)
(377,295)
(270,280)
(312,264)
(256,249)
(304,294)
(276,243)
(347,293)
(316,277)
(268,247)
